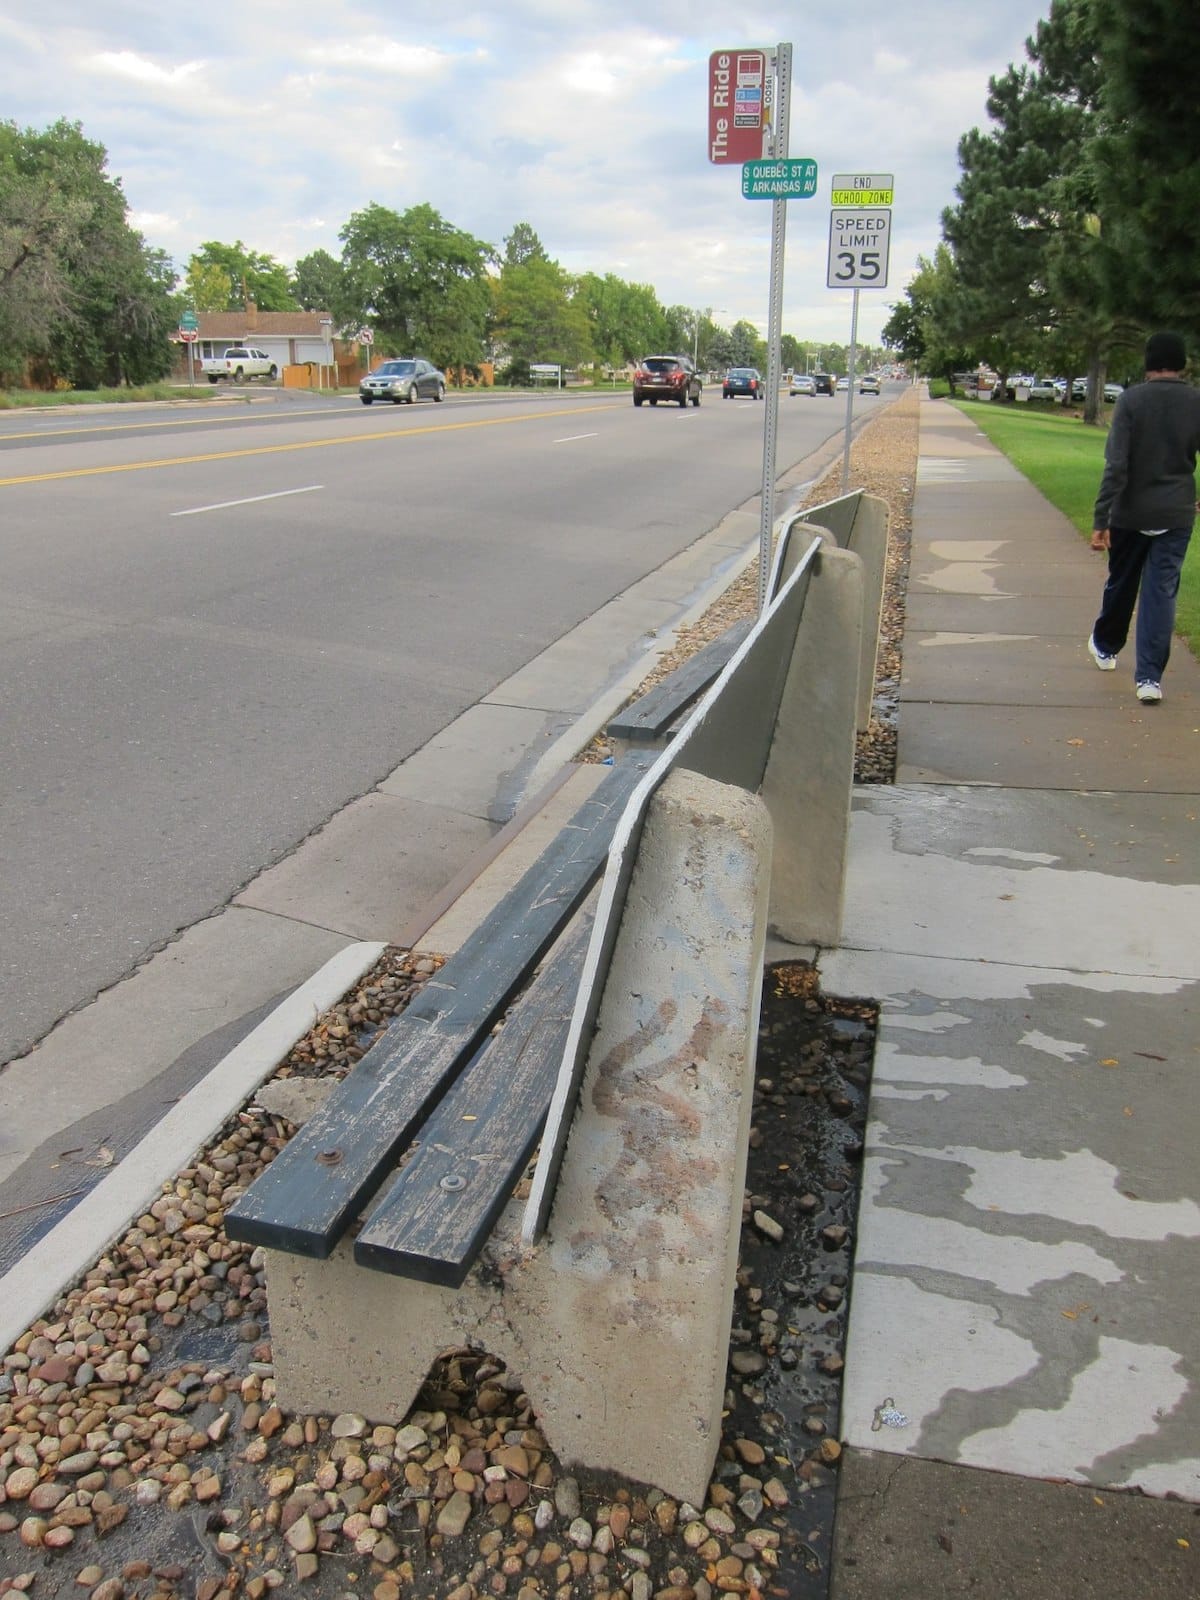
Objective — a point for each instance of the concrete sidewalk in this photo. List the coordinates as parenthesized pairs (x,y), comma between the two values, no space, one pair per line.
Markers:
(1023,1337)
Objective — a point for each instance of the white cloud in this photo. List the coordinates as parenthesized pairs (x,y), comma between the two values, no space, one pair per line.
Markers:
(128,64)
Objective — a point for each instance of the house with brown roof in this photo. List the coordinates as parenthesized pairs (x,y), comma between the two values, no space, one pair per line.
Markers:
(290,338)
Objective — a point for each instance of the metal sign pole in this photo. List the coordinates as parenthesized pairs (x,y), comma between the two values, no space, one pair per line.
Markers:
(783,94)
(850,395)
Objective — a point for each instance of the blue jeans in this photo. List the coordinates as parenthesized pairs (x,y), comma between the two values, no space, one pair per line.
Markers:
(1154,562)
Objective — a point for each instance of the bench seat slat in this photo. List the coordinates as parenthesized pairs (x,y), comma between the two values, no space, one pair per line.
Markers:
(323,1177)
(434,1219)
(651,716)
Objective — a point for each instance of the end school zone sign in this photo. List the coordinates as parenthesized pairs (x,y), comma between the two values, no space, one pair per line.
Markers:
(859,241)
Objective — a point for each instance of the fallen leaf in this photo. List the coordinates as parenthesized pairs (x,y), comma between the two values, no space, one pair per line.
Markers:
(1076,741)
(946,1542)
(1183,1544)
(1008,897)
(1126,1111)
(1097,1499)
(1148,1055)
(1074,1311)
(1110,1061)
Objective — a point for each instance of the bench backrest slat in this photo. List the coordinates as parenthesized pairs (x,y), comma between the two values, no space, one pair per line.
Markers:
(434,1219)
(324,1177)
(649,717)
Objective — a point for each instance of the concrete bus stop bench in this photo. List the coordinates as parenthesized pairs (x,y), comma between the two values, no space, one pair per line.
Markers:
(609,1293)
(434,1073)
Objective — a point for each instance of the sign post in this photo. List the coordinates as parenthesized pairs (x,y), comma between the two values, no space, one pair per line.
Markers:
(746,89)
(189,332)
(783,85)
(860,231)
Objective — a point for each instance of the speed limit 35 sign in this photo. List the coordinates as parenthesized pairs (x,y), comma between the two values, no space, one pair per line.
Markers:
(860,227)
(859,240)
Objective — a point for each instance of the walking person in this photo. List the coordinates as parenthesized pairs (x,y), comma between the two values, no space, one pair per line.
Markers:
(1144,513)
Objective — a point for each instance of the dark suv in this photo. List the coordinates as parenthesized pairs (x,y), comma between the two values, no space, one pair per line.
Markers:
(825,383)
(666,378)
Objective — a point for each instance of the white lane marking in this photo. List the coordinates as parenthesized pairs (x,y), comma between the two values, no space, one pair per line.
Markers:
(224,505)
(571,437)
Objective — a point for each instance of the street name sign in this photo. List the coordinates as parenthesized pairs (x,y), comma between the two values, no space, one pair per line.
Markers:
(786,178)
(189,322)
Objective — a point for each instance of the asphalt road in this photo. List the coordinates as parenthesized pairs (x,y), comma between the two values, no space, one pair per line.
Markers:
(221,622)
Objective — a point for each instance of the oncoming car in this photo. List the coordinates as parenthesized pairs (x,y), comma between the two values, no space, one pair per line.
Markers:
(666,378)
(742,380)
(403,381)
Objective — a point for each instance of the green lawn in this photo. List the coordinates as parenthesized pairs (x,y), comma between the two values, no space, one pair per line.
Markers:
(1064,459)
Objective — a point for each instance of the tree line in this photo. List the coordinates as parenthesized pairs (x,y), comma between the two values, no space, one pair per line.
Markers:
(86,302)
(1077,223)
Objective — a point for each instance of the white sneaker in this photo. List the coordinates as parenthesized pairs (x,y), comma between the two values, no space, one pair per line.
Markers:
(1149,693)
(1105,663)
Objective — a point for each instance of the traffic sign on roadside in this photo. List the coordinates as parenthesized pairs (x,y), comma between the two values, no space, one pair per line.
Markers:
(366,335)
(739,104)
(859,242)
(188,335)
(188,322)
(856,189)
(786,178)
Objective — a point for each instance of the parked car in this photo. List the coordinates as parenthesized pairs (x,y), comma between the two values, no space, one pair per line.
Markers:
(403,381)
(1112,390)
(802,383)
(869,383)
(843,384)
(1079,390)
(667,378)
(825,382)
(239,363)
(1043,389)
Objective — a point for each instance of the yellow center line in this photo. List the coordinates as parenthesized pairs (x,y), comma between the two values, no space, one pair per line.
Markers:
(305,444)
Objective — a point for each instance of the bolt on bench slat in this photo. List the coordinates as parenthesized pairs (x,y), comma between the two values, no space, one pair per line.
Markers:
(324,1177)
(435,1218)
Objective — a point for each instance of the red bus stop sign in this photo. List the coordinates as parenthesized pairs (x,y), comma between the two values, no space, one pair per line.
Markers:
(739,105)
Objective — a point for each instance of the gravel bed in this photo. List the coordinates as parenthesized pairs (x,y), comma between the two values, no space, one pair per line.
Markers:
(142,1452)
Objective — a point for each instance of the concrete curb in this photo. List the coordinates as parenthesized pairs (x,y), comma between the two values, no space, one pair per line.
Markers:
(72,1246)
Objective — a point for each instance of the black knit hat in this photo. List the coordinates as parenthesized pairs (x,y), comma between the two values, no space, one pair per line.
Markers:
(1165,352)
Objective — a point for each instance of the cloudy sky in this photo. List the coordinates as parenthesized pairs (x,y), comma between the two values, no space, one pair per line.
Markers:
(272,121)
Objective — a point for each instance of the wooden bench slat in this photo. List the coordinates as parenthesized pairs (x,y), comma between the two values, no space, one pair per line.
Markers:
(433,1221)
(650,717)
(323,1177)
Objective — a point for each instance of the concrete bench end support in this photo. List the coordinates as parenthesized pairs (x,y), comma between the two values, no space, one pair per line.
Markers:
(809,780)
(617,1323)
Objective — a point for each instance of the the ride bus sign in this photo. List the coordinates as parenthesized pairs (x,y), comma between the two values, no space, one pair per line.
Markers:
(739,104)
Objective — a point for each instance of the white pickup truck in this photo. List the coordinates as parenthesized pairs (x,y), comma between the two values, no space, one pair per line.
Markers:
(238,363)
